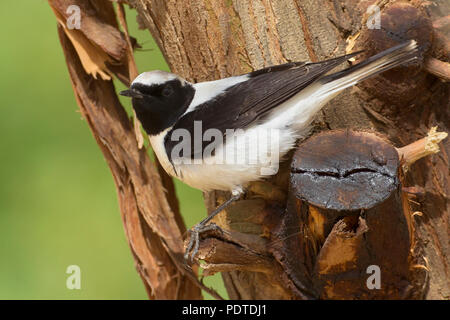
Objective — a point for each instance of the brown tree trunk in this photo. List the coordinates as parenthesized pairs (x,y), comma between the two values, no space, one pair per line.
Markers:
(210,39)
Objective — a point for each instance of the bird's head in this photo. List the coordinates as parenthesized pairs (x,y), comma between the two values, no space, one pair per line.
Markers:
(159,98)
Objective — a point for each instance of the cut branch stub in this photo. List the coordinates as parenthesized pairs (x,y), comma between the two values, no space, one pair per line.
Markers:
(345,170)
(347,212)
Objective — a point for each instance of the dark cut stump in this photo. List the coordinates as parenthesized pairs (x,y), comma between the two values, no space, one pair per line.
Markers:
(345,213)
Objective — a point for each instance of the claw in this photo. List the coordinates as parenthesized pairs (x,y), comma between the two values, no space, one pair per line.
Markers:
(194,241)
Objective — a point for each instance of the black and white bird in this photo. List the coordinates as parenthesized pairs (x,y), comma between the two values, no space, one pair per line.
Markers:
(282,99)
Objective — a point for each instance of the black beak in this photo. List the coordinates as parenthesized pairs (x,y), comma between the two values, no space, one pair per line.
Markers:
(131,93)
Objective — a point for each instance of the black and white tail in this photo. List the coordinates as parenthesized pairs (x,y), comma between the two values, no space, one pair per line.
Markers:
(385,60)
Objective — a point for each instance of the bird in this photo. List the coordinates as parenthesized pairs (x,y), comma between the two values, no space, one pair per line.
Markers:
(224,134)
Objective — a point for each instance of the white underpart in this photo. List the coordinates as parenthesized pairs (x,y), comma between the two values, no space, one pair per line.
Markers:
(158,147)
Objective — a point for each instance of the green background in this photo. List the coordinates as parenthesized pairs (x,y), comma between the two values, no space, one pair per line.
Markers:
(58,204)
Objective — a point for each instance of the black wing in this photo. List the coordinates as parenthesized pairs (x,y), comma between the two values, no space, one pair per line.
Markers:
(243,104)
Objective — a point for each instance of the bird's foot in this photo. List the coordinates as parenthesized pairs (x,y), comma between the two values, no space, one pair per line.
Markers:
(194,241)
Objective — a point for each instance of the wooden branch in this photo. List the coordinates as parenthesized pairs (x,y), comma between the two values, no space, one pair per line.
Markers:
(151,227)
(421,148)
(438,68)
(441,22)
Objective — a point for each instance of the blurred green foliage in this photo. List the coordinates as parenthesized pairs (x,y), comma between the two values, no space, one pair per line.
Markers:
(58,203)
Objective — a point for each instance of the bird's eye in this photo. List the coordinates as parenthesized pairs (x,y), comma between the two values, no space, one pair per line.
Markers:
(167,91)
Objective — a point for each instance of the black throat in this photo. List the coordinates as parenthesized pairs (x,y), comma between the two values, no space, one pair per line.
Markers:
(162,105)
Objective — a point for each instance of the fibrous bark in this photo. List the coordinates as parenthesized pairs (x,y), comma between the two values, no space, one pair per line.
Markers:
(152,226)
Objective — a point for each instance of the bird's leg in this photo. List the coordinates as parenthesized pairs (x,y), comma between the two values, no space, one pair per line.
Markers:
(194,240)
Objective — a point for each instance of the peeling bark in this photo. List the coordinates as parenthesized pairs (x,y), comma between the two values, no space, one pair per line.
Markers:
(151,225)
